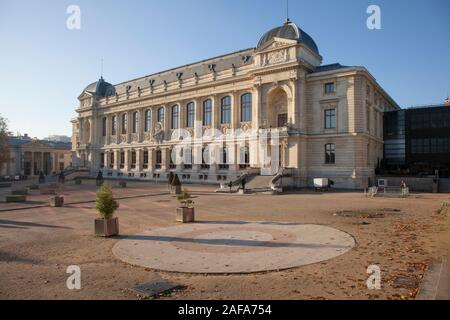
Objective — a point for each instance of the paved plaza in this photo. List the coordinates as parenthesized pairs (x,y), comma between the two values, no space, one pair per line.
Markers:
(299,245)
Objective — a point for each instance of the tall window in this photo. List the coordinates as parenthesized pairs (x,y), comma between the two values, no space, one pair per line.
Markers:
(207,112)
(148,120)
(175,117)
(122,160)
(329,87)
(135,121)
(190,115)
(145,160)
(244,158)
(246,107)
(104,124)
(161,114)
(133,159)
(114,125)
(102,160)
(111,160)
(330,153)
(225,110)
(124,123)
(330,119)
(158,159)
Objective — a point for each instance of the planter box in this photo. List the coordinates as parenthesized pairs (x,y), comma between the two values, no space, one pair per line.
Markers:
(107,228)
(57,201)
(16,198)
(185,214)
(19,192)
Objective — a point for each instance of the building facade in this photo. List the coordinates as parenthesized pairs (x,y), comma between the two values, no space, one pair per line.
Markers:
(29,156)
(327,119)
(418,139)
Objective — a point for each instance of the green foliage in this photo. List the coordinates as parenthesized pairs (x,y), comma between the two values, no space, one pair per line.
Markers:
(443,208)
(185,198)
(171,176)
(105,202)
(176,181)
(4,147)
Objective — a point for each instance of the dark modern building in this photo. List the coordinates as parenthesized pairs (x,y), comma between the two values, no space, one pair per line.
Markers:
(418,139)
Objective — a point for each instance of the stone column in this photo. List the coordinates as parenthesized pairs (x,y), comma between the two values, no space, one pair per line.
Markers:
(127,160)
(164,159)
(141,124)
(116,159)
(235,110)
(139,160)
(151,160)
(167,116)
(256,106)
(32,163)
(42,161)
(198,127)
(215,112)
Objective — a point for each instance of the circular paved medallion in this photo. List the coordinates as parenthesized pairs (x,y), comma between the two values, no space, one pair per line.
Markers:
(233,247)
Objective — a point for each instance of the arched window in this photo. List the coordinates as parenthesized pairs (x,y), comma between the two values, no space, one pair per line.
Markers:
(246,107)
(158,159)
(124,123)
(207,112)
(161,115)
(114,125)
(135,121)
(175,117)
(225,110)
(148,120)
(190,115)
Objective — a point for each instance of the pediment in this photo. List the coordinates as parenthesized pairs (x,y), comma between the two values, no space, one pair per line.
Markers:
(277,43)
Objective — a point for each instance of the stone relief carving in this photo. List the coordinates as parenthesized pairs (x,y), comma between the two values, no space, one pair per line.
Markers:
(158,134)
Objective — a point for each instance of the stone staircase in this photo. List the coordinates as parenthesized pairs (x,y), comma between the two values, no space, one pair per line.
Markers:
(257,183)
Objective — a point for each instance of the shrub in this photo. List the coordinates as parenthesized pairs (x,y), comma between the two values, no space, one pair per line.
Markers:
(176,181)
(443,208)
(105,203)
(185,198)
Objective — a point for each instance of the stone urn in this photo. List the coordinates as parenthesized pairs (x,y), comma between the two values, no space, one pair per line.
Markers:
(185,214)
(57,201)
(106,227)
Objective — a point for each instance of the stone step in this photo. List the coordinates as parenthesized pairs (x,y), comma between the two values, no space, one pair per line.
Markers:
(436,282)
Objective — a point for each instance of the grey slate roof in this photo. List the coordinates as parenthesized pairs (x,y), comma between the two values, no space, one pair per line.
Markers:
(201,68)
(330,67)
(20,141)
(289,30)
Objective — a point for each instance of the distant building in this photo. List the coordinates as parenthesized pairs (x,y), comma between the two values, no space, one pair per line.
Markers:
(418,139)
(58,138)
(30,156)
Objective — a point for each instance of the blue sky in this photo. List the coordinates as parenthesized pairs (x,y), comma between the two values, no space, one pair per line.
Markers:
(44,66)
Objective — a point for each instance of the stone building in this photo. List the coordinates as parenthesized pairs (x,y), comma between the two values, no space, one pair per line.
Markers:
(327,118)
(30,156)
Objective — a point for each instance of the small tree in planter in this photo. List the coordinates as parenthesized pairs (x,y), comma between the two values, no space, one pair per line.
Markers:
(61,177)
(170,180)
(41,177)
(99,180)
(176,183)
(185,212)
(106,226)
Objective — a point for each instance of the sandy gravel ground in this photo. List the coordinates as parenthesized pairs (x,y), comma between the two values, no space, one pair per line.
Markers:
(401,236)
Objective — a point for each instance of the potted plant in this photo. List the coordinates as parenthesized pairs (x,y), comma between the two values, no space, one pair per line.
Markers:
(185,212)
(61,177)
(169,181)
(107,225)
(57,201)
(99,180)
(176,184)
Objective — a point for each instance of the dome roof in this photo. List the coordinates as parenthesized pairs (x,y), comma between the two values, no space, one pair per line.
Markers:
(289,30)
(100,88)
